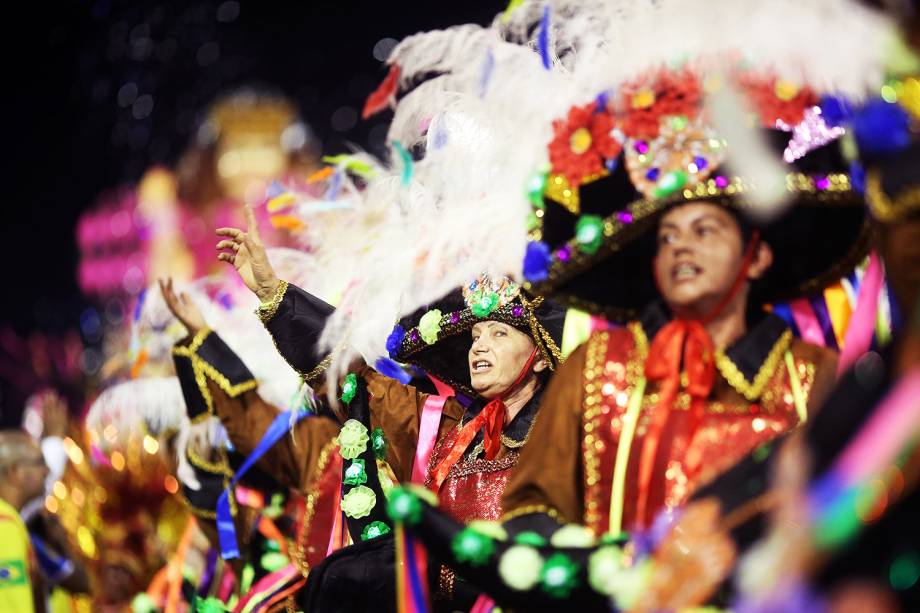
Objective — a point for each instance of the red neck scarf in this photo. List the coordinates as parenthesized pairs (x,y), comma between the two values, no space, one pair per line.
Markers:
(682,342)
(491,419)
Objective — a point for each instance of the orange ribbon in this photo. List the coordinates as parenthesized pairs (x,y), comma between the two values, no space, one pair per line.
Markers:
(681,342)
(492,419)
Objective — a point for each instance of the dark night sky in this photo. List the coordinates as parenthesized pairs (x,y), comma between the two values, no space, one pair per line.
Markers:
(68,138)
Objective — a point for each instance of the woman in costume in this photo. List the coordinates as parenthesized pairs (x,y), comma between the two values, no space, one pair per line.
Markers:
(490,342)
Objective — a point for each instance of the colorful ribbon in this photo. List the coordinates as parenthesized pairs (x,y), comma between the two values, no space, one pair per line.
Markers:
(863,322)
(429,423)
(226,530)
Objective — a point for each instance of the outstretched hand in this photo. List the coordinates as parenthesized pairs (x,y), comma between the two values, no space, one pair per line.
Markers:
(54,414)
(182,307)
(247,254)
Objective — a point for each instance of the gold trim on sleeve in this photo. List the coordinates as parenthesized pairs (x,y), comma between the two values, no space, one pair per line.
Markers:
(267,310)
(533,508)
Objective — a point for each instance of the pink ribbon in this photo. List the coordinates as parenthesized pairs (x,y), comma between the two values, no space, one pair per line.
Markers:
(862,323)
(483,604)
(429,424)
(807,322)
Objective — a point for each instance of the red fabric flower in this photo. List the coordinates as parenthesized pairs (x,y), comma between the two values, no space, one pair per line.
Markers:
(582,142)
(644,102)
(774,99)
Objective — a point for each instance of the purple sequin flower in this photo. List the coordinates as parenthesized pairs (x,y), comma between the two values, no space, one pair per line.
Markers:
(564,253)
(625,217)
(641,147)
(455,317)
(822,183)
(517,311)
(395,339)
(721,182)
(414,336)
(536,261)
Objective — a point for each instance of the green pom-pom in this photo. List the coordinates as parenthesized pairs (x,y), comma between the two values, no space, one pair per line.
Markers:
(355,474)
(208,605)
(374,530)
(352,439)
(483,304)
(272,561)
(559,575)
(490,528)
(349,388)
(359,502)
(380,444)
(670,183)
(403,506)
(519,567)
(143,603)
(604,567)
(572,535)
(472,547)
(429,326)
(529,537)
(589,233)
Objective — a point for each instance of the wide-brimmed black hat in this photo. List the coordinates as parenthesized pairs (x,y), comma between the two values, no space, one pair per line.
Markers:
(437,339)
(600,259)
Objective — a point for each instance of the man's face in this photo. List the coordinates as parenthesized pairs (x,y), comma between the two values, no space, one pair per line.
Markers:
(31,472)
(496,357)
(699,257)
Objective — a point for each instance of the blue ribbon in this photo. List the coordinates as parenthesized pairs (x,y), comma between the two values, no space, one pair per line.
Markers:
(226,530)
(53,565)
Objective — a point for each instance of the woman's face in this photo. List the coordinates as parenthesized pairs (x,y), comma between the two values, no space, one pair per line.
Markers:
(497,356)
(699,256)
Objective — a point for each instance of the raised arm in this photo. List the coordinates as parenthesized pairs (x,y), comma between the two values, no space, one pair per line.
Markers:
(294,318)
(216,382)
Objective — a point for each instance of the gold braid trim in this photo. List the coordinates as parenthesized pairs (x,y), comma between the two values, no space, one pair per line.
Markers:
(232,390)
(752,391)
(533,508)
(201,513)
(884,208)
(221,467)
(541,336)
(298,558)
(268,309)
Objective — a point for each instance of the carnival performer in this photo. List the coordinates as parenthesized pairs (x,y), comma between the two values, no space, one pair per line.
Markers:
(490,341)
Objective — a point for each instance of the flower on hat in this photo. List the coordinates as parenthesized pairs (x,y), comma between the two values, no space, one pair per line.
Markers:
(645,102)
(777,100)
(537,259)
(395,339)
(582,142)
(429,326)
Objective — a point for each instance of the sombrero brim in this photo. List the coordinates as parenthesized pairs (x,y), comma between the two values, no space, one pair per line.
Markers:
(816,240)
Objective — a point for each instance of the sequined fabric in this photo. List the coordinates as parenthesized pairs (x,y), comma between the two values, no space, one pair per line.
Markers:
(731,428)
(474,487)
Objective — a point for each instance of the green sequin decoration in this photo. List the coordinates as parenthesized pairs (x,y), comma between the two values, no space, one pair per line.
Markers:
(355,474)
(589,233)
(404,506)
(380,444)
(472,547)
(529,537)
(483,304)
(373,530)
(536,185)
(559,575)
(670,183)
(349,388)
(678,122)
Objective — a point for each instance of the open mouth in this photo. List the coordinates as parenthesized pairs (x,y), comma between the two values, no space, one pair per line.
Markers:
(481,366)
(685,271)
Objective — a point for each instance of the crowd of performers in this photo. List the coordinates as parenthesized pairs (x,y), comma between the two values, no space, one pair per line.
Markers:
(629,320)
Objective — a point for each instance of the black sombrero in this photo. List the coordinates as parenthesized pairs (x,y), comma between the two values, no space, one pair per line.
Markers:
(597,239)
(437,339)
